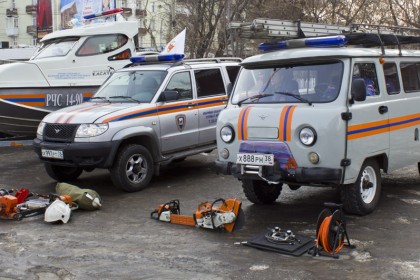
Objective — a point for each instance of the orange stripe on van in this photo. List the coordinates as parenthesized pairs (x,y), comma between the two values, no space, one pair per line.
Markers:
(285,123)
(383,126)
(243,123)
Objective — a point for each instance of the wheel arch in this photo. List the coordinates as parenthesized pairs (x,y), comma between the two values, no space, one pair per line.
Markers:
(145,137)
(382,160)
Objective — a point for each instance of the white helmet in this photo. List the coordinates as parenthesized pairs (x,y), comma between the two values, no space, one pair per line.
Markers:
(57,211)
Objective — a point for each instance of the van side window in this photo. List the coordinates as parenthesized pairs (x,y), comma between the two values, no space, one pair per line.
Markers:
(367,72)
(209,82)
(391,78)
(410,78)
(181,82)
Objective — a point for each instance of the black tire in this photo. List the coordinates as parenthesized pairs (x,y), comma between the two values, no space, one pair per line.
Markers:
(261,192)
(132,169)
(63,173)
(294,187)
(362,197)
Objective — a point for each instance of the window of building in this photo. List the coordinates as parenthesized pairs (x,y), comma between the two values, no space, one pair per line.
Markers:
(209,82)
(152,24)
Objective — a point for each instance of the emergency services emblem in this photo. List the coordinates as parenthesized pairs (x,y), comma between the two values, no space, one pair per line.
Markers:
(180,122)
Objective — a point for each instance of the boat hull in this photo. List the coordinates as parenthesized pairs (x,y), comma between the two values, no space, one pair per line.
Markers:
(21,109)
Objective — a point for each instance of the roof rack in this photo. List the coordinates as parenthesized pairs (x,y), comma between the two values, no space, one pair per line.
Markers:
(214,59)
(357,34)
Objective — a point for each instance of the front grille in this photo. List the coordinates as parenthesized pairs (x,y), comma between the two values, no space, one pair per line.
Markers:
(60,132)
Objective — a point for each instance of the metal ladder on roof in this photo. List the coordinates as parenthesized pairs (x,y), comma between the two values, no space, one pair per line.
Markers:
(288,29)
(363,35)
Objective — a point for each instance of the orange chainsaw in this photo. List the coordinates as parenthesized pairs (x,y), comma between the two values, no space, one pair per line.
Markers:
(207,215)
(10,208)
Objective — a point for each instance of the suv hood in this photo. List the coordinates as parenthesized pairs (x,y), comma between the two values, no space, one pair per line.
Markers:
(88,112)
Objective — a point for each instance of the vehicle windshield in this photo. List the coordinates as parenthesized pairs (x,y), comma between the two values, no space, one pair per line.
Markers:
(55,47)
(131,86)
(300,83)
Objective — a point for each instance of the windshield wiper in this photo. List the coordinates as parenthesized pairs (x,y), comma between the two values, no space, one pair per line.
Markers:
(295,96)
(257,96)
(99,97)
(125,97)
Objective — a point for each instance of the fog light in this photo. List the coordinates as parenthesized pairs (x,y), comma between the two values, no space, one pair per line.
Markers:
(313,157)
(224,153)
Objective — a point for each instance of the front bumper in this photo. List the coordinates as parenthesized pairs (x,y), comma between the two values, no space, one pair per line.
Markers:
(300,175)
(86,155)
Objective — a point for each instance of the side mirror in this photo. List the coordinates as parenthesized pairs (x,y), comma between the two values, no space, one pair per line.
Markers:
(358,90)
(169,95)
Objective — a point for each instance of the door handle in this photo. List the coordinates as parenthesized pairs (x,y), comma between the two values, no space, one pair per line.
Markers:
(383,109)
(190,105)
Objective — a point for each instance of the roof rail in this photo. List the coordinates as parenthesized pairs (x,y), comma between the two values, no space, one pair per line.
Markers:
(214,59)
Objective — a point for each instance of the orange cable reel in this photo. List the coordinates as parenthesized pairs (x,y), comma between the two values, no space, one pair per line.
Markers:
(331,231)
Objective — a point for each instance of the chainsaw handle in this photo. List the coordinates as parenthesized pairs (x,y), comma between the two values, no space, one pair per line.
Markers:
(217,200)
(202,205)
(155,214)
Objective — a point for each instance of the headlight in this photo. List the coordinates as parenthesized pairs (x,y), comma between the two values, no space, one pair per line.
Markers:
(91,130)
(40,130)
(227,134)
(307,136)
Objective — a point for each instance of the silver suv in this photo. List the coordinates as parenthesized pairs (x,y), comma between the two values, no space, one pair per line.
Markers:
(143,116)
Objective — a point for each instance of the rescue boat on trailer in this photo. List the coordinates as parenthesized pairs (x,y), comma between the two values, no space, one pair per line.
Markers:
(66,70)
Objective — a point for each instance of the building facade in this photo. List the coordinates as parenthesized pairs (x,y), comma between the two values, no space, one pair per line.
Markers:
(17,23)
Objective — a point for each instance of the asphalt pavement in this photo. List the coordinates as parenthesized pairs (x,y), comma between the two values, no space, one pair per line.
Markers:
(121,241)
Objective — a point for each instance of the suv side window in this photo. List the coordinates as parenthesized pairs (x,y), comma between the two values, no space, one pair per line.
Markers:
(232,72)
(181,82)
(209,82)
(367,72)
(391,78)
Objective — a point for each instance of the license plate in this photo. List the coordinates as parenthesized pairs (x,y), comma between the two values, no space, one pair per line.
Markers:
(52,154)
(255,159)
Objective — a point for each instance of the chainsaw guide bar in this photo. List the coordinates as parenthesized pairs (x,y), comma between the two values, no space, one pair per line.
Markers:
(220,214)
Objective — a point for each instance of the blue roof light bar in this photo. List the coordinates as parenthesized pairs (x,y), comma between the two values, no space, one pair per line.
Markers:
(316,42)
(157,58)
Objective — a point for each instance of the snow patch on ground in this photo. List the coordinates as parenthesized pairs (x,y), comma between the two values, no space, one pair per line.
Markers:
(360,253)
(411,201)
(409,270)
(258,267)
(402,220)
